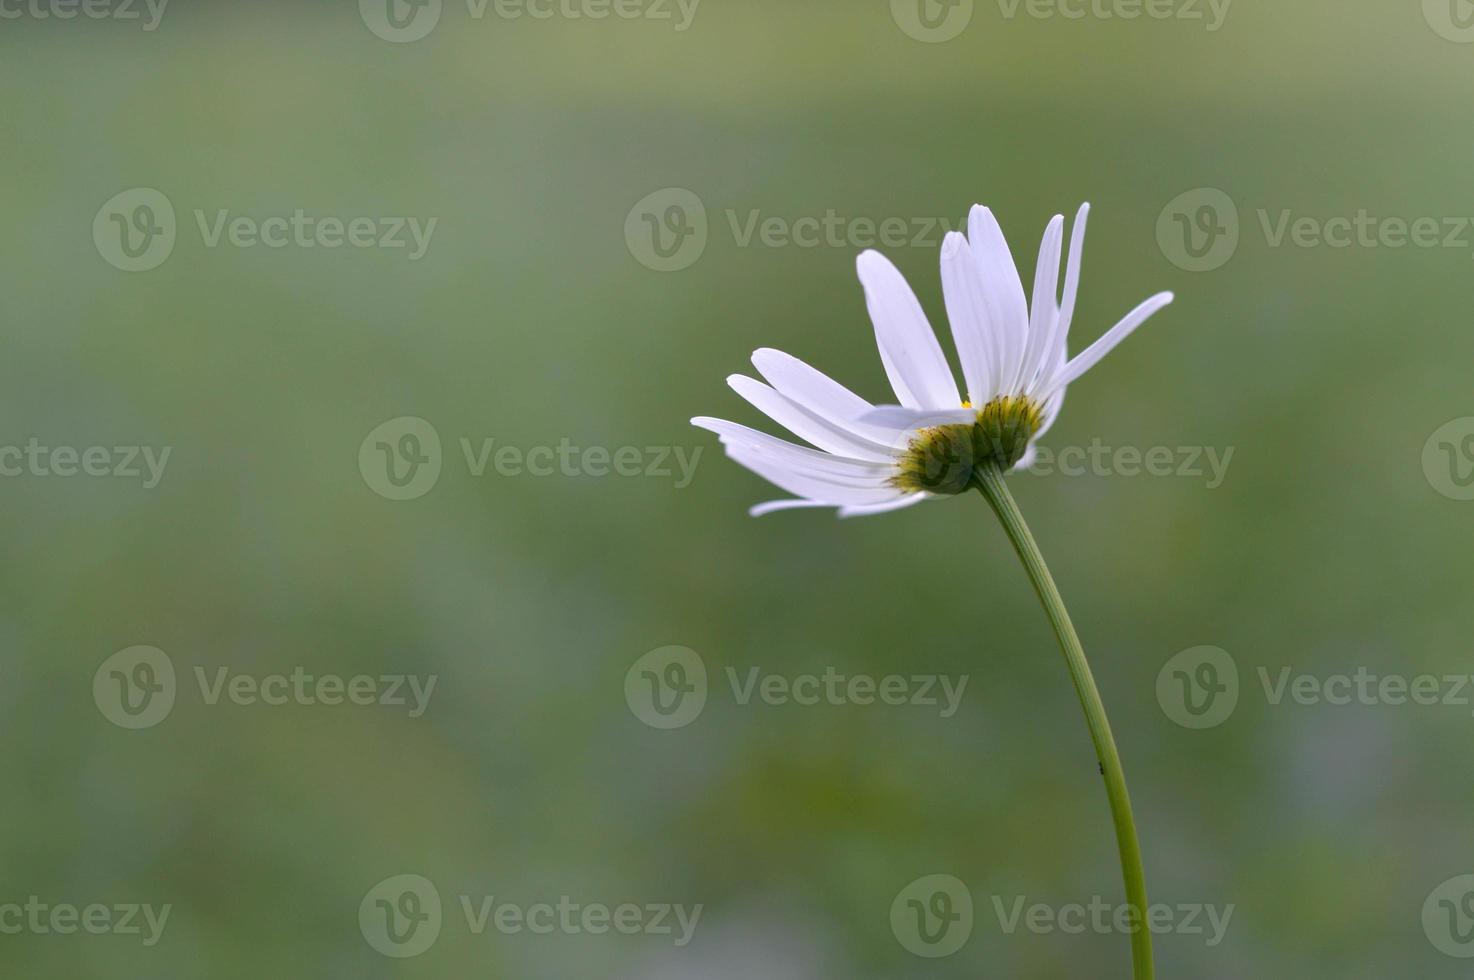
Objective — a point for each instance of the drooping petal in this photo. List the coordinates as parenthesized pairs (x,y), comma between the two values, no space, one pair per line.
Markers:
(812,487)
(1091,355)
(909,350)
(1004,290)
(968,311)
(800,459)
(815,476)
(867,511)
(807,425)
(773,506)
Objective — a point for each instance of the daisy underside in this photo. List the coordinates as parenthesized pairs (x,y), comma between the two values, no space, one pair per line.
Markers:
(864,458)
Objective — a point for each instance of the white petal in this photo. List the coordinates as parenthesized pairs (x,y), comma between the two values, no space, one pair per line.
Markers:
(1091,355)
(1072,271)
(815,391)
(1004,290)
(901,504)
(1044,312)
(812,487)
(773,506)
(800,459)
(972,321)
(1052,406)
(899,419)
(805,424)
(814,476)
(808,386)
(909,350)
(1056,347)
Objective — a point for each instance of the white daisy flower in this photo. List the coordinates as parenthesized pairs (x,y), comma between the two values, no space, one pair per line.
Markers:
(871,459)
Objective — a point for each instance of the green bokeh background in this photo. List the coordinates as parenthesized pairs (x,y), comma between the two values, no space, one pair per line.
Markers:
(530,321)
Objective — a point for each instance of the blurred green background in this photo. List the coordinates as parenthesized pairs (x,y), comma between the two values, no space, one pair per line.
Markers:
(532,318)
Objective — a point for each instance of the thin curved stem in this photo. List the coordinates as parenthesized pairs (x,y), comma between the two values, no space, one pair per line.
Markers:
(989,479)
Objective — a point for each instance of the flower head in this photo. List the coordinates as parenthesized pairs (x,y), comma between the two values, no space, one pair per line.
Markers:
(871,459)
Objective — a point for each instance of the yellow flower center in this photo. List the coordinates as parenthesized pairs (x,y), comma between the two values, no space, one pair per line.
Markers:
(942,459)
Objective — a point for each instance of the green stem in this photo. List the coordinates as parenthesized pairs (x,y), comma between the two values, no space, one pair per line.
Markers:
(989,479)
